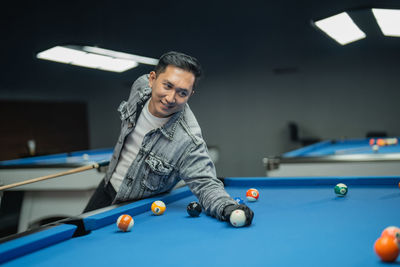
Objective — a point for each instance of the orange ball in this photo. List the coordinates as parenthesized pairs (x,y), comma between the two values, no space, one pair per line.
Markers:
(125,222)
(393,232)
(386,248)
(252,194)
(381,142)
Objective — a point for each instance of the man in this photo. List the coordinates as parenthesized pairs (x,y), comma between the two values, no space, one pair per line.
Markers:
(161,143)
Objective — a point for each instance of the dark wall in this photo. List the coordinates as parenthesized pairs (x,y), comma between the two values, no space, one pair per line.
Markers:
(265,65)
(34,128)
(245,113)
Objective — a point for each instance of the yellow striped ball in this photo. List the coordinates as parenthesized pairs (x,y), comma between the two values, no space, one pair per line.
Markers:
(158,207)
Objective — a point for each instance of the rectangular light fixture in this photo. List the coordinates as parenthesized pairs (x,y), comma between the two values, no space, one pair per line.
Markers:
(94,57)
(341,28)
(388,20)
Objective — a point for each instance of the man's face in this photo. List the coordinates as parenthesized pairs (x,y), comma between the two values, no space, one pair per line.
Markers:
(170,91)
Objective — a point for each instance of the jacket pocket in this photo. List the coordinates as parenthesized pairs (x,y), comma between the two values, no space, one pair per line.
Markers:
(158,172)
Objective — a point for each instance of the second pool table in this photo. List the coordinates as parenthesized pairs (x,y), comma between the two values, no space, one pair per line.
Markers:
(336,157)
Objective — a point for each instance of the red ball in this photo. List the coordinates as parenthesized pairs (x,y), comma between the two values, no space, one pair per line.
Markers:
(252,194)
(371,141)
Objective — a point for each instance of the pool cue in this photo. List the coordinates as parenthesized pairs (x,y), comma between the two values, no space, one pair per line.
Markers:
(47,177)
(1,197)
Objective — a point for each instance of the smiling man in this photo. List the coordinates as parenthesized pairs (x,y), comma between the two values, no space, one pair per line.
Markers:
(161,143)
(171,91)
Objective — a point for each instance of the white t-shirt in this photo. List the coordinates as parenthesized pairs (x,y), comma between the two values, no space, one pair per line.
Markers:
(145,124)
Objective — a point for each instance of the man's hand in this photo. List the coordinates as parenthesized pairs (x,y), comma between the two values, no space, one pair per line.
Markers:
(247,211)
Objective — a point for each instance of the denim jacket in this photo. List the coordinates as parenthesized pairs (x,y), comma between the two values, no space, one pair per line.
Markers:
(170,153)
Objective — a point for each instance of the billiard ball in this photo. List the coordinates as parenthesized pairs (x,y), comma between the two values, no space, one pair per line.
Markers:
(193,209)
(375,148)
(381,142)
(252,194)
(239,200)
(341,190)
(386,248)
(392,231)
(394,141)
(371,141)
(125,222)
(237,218)
(391,141)
(158,207)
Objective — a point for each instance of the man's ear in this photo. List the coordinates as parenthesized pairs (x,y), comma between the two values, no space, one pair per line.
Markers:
(152,78)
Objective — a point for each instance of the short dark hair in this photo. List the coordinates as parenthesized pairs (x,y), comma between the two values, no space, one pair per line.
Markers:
(181,61)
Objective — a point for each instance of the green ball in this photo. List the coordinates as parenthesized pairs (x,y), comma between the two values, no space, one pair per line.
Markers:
(341,190)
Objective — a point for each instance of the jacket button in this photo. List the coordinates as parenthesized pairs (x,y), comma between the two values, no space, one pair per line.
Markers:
(130,125)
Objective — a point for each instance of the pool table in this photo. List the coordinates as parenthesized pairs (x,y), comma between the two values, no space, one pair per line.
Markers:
(297,222)
(336,157)
(61,197)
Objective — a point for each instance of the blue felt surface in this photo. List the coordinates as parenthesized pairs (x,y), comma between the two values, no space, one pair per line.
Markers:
(374,181)
(340,147)
(293,226)
(21,246)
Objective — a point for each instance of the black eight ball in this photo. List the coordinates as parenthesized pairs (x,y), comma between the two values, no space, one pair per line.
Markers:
(193,209)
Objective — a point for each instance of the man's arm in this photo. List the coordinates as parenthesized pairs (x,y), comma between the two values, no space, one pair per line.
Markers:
(199,174)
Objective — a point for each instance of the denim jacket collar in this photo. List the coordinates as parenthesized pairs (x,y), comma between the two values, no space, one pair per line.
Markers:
(168,130)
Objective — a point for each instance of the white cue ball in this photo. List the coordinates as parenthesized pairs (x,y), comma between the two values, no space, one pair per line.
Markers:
(238,218)
(375,148)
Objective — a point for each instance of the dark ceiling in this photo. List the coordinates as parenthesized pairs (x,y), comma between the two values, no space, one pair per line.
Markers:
(222,34)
